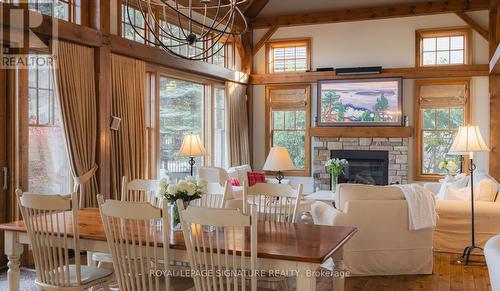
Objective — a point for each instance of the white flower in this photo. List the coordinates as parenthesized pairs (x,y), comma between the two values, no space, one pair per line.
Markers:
(172,189)
(452,167)
(191,189)
(183,186)
(442,165)
(202,184)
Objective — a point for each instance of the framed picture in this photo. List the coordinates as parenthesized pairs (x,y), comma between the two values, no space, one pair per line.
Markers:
(360,102)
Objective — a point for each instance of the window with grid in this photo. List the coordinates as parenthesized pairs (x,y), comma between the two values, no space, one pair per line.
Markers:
(443,47)
(69,10)
(219,58)
(185,50)
(133,27)
(48,169)
(288,56)
(442,109)
(288,124)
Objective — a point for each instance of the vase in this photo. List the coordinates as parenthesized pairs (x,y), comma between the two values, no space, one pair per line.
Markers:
(334,182)
(175,219)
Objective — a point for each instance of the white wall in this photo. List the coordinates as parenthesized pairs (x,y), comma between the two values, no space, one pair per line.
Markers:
(389,43)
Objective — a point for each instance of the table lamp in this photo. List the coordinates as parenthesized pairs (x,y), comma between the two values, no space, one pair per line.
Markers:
(278,160)
(192,147)
(469,141)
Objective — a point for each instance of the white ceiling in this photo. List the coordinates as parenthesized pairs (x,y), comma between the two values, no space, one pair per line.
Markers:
(290,7)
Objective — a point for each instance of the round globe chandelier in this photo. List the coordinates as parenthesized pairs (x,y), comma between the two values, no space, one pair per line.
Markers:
(200,27)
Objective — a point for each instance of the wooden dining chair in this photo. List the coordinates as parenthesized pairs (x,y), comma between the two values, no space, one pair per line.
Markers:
(138,236)
(216,241)
(138,190)
(52,225)
(274,202)
(215,197)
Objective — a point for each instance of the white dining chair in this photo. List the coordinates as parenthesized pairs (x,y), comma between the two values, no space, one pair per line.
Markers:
(213,175)
(138,236)
(274,202)
(138,190)
(215,197)
(216,241)
(52,225)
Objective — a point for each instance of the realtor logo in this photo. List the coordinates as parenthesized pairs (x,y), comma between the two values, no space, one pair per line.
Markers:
(22,23)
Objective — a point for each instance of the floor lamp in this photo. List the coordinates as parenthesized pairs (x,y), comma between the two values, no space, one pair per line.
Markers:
(469,141)
(192,147)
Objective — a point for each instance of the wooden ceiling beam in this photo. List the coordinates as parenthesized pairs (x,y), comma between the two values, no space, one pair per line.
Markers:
(406,73)
(264,39)
(369,13)
(255,8)
(474,25)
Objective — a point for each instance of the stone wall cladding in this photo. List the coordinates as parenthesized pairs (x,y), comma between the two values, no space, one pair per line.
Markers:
(397,148)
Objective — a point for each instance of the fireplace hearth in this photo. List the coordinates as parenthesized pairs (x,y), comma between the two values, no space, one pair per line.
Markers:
(365,167)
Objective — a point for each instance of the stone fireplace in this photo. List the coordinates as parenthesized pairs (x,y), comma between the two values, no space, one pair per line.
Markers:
(366,154)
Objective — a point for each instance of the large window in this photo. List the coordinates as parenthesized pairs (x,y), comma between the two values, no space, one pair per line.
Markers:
(69,10)
(291,55)
(191,50)
(181,112)
(443,106)
(443,47)
(219,128)
(288,122)
(48,162)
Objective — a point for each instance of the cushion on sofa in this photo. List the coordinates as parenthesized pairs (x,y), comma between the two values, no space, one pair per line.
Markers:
(459,181)
(485,190)
(347,192)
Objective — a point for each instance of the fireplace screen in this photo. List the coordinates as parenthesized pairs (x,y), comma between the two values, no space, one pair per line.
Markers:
(365,167)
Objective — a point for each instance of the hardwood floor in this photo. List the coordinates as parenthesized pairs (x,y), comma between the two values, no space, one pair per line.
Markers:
(447,276)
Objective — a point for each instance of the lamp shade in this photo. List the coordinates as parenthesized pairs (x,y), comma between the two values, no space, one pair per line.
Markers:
(468,140)
(192,146)
(278,160)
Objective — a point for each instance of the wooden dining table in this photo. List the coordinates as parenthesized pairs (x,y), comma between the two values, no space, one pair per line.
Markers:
(283,248)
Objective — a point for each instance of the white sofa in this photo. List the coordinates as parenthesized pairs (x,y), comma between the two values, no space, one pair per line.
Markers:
(383,245)
(453,231)
(492,255)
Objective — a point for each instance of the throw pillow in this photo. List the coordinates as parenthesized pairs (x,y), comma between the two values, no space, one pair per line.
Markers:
(453,193)
(256,177)
(235,182)
(485,190)
(459,181)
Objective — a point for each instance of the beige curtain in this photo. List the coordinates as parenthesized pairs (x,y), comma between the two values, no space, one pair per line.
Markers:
(128,90)
(74,78)
(239,149)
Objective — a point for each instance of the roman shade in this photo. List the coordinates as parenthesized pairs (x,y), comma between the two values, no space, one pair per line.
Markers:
(288,99)
(448,95)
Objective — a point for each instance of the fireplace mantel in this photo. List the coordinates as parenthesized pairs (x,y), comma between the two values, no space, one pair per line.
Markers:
(350,131)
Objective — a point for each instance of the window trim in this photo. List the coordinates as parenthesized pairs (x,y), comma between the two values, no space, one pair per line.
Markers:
(419,175)
(439,32)
(307,143)
(288,42)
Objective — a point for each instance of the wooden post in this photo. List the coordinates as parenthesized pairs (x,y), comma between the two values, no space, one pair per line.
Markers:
(99,15)
(494,94)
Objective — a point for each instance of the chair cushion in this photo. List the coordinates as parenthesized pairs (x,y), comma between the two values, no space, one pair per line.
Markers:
(88,274)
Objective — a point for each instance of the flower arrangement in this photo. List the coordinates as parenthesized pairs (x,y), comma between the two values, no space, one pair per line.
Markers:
(449,166)
(335,167)
(187,190)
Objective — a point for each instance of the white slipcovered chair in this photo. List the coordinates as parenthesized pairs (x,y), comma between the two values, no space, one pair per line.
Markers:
(492,255)
(384,244)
